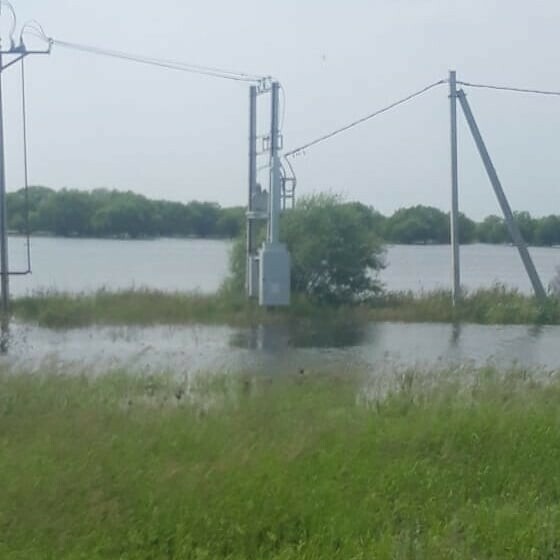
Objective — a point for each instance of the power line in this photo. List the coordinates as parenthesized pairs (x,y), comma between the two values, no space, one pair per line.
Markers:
(508,88)
(162,63)
(363,119)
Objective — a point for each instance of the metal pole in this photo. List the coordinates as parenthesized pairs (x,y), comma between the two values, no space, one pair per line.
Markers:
(252,178)
(512,226)
(275,177)
(4,277)
(454,219)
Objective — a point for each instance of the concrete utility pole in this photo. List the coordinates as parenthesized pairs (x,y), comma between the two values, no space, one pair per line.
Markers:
(251,242)
(274,258)
(454,223)
(512,226)
(275,200)
(4,271)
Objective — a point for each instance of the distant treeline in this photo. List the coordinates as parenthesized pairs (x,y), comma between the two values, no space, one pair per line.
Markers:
(109,213)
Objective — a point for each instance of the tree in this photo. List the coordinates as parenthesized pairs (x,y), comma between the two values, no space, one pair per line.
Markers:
(335,255)
(526,225)
(204,216)
(418,224)
(20,203)
(467,229)
(66,213)
(230,222)
(375,220)
(547,231)
(492,230)
(127,214)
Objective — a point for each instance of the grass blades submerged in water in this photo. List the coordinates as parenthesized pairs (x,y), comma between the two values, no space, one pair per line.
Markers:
(496,305)
(306,467)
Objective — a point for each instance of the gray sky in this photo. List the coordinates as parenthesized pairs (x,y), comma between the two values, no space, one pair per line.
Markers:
(99,122)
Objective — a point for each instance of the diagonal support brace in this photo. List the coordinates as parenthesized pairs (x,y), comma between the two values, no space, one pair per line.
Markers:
(512,226)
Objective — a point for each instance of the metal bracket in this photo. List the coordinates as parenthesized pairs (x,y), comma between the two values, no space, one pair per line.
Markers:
(22,52)
(264,85)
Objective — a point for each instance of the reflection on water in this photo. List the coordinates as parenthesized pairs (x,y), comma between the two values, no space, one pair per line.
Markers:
(281,348)
(4,333)
(303,334)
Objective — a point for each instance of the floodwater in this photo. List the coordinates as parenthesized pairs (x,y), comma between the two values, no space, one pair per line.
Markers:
(270,349)
(78,265)
(185,265)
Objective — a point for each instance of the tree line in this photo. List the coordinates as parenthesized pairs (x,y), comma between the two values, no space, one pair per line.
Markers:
(111,213)
(424,224)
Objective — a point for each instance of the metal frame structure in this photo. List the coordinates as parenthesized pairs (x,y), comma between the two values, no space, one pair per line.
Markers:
(19,53)
(267,205)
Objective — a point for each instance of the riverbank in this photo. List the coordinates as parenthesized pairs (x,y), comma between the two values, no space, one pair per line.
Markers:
(288,467)
(497,305)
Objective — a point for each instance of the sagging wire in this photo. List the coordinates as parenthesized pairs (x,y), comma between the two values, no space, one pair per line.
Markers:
(163,63)
(33,27)
(353,124)
(7,4)
(509,88)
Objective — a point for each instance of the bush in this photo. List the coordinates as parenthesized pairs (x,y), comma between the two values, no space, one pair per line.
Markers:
(335,253)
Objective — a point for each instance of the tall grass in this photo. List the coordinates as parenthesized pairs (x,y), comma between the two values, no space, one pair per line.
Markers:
(254,468)
(496,305)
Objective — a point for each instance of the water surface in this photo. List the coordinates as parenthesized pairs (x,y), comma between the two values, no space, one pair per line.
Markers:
(78,265)
(274,349)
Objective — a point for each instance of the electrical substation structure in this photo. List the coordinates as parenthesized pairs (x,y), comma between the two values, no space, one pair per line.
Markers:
(268,266)
(268,262)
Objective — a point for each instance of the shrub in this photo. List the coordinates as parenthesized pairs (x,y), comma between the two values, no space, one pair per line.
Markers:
(335,254)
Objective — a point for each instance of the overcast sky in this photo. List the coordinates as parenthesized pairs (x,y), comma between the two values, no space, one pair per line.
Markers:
(99,122)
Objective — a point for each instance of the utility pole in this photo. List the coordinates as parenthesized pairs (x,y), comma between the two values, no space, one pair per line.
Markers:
(274,258)
(252,185)
(512,226)
(275,199)
(454,217)
(17,53)
(4,271)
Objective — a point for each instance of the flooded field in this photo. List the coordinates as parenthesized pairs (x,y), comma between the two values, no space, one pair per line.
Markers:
(281,349)
(186,265)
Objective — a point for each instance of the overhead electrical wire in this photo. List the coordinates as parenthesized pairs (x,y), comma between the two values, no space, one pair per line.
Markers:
(508,88)
(4,3)
(160,62)
(353,124)
(36,27)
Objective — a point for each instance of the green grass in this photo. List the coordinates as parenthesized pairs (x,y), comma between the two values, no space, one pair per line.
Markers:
(143,307)
(261,468)
(496,305)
